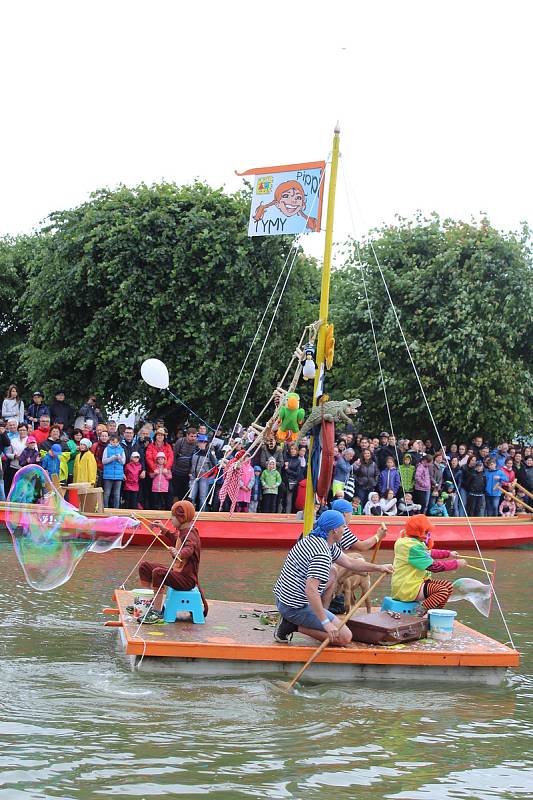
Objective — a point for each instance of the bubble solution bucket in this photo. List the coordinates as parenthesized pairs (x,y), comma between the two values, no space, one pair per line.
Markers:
(142,599)
(441,623)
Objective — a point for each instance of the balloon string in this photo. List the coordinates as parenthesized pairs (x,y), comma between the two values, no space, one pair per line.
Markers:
(176,398)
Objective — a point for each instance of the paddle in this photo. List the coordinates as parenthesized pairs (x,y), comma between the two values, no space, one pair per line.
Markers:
(327,640)
(382,527)
(515,498)
(522,489)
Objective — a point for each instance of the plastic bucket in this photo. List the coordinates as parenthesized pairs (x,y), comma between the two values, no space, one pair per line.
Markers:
(441,623)
(142,600)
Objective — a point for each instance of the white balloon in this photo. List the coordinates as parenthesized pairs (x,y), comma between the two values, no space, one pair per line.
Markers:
(155,373)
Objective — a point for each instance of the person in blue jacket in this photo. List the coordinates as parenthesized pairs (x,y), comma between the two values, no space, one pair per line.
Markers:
(113,460)
(51,461)
(493,493)
(389,478)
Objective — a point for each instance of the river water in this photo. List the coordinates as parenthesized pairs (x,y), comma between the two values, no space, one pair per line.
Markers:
(76,723)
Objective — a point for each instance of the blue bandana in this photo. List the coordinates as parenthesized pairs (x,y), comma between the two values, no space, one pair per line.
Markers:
(342,505)
(327,522)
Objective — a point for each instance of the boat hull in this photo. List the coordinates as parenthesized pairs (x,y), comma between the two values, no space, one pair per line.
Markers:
(281,530)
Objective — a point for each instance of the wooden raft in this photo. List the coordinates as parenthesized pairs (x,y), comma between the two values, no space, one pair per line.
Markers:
(228,636)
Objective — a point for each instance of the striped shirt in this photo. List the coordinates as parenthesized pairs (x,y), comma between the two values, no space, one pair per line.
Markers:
(348,539)
(311,557)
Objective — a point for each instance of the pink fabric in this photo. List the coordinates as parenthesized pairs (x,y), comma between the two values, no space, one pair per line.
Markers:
(246,477)
(439,553)
(443,566)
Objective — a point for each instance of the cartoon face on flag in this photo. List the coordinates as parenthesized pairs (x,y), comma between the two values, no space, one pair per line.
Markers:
(286,200)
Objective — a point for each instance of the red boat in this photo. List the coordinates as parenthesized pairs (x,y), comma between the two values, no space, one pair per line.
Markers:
(282,530)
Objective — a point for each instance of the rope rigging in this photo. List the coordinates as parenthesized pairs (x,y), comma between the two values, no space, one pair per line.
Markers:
(258,440)
(419,381)
(311,332)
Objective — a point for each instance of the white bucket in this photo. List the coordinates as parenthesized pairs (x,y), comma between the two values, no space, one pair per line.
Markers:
(441,623)
(142,600)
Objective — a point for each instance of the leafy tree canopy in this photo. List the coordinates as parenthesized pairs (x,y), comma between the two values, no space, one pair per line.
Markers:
(15,258)
(167,272)
(463,294)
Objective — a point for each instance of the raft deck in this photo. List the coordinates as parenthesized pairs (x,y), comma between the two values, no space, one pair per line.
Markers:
(234,642)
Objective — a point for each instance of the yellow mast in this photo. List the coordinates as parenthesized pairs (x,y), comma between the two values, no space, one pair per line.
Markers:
(324,308)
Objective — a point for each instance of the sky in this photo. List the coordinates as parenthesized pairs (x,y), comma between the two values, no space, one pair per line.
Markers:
(433,100)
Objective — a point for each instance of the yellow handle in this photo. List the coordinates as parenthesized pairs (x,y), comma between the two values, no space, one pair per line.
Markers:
(479,569)
(150,530)
(477,558)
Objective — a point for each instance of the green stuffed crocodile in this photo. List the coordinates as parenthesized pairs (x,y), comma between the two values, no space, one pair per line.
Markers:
(331,411)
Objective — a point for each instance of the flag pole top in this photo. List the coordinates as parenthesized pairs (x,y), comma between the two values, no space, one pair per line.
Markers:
(337,128)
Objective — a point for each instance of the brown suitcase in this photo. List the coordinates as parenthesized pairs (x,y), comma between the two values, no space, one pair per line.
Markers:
(380,627)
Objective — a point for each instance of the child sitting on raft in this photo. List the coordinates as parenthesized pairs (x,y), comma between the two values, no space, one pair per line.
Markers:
(414,562)
(185,548)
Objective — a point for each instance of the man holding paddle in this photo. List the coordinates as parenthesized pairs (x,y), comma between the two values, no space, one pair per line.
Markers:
(305,585)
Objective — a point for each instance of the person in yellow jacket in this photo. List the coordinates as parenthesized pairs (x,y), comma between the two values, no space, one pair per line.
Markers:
(415,560)
(85,464)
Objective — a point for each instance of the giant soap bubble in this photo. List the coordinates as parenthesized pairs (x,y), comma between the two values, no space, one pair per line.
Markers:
(50,536)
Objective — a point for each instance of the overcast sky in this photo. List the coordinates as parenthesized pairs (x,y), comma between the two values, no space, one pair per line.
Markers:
(434,101)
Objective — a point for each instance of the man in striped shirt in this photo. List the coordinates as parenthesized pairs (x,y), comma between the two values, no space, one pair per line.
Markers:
(350,543)
(304,588)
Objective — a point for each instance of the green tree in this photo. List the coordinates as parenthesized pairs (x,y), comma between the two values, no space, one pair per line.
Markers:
(463,293)
(167,272)
(15,257)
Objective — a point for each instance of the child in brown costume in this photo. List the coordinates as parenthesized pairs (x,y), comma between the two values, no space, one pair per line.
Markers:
(185,548)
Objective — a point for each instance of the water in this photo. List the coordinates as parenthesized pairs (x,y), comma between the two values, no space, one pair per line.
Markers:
(76,723)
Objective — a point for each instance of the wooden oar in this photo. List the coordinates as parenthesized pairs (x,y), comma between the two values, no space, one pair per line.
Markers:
(479,569)
(327,640)
(382,527)
(526,491)
(515,498)
(12,506)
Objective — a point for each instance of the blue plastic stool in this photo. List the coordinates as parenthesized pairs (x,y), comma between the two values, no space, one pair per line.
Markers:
(177,601)
(389,604)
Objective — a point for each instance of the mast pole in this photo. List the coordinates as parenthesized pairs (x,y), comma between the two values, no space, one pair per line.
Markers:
(324,308)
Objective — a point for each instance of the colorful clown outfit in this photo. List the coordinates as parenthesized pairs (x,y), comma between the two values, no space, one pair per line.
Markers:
(414,562)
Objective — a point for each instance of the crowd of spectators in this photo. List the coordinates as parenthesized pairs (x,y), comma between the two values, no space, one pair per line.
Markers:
(149,467)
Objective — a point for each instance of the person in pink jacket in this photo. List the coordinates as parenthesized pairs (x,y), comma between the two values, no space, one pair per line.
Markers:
(161,476)
(423,483)
(246,483)
(159,445)
(133,473)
